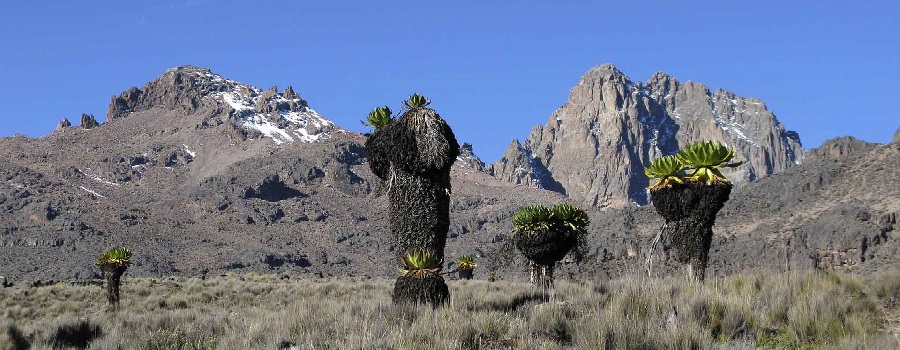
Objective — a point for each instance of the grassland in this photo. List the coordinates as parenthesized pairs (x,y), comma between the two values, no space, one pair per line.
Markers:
(790,310)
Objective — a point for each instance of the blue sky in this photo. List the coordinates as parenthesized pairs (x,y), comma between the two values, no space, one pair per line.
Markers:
(493,69)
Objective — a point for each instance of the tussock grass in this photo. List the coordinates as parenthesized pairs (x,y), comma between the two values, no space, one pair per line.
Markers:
(806,310)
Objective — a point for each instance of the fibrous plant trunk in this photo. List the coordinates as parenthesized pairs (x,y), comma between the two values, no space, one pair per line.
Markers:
(465,274)
(413,155)
(690,212)
(543,249)
(419,214)
(113,274)
(428,289)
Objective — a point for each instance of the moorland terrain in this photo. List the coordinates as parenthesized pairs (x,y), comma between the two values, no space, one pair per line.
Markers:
(212,183)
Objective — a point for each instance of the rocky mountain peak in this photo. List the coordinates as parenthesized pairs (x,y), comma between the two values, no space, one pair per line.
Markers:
(606,75)
(468,159)
(88,121)
(841,147)
(283,117)
(64,123)
(662,82)
(289,94)
(606,69)
(594,148)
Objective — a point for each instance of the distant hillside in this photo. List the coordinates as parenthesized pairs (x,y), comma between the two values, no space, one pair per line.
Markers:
(199,174)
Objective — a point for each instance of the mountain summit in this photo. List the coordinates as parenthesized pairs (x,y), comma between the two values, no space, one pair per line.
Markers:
(594,147)
(283,117)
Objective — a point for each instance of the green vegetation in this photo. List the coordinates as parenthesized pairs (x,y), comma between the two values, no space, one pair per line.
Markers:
(378,118)
(114,262)
(466,262)
(532,219)
(118,256)
(420,263)
(416,101)
(705,158)
(756,309)
(666,170)
(544,236)
(571,217)
(465,267)
(690,203)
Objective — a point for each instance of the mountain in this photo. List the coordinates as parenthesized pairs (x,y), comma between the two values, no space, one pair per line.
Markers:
(283,117)
(594,148)
(199,174)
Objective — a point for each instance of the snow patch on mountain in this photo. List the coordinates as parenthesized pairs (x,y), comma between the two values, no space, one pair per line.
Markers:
(189,151)
(91,192)
(729,123)
(275,116)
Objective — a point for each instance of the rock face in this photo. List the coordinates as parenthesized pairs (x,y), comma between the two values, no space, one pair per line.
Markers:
(468,159)
(64,123)
(88,121)
(283,117)
(594,148)
(841,147)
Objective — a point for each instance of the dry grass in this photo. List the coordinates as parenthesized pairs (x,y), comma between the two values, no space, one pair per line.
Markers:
(806,310)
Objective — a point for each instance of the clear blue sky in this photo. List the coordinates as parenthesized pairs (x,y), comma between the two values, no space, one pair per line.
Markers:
(494,69)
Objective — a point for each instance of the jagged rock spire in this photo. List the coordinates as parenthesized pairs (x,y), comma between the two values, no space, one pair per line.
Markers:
(64,123)
(88,121)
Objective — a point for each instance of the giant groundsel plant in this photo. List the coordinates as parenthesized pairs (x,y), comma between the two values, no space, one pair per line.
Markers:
(413,154)
(688,192)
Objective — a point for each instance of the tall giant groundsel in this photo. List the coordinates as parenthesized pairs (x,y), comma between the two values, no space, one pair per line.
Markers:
(413,155)
(689,202)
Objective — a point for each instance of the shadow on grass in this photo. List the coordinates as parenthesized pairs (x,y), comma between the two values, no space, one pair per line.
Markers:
(78,335)
(514,303)
(18,340)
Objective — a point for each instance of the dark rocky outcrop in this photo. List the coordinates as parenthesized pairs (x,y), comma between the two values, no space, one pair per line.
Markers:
(88,121)
(518,166)
(271,189)
(63,124)
(468,159)
(120,106)
(182,88)
(840,147)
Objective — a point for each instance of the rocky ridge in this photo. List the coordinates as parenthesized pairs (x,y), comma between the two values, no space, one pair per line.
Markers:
(283,117)
(194,190)
(184,174)
(594,148)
